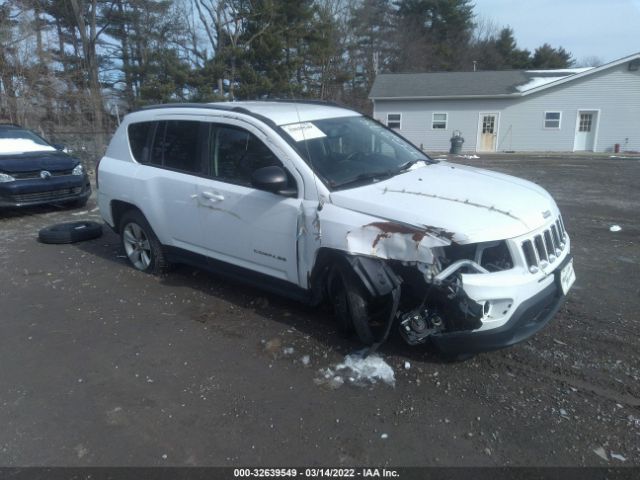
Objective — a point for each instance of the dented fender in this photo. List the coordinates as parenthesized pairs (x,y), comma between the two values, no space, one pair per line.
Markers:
(380,238)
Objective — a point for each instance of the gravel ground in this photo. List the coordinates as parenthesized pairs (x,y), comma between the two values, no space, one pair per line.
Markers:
(103,365)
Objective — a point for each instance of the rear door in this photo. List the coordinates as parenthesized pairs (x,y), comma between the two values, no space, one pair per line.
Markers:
(174,168)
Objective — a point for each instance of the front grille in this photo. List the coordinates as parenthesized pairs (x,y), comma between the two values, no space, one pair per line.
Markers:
(545,247)
(36,174)
(46,196)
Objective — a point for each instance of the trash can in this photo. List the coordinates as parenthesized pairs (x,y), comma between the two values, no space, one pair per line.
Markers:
(456,142)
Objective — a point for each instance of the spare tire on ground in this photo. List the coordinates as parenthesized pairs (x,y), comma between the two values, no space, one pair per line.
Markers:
(70,232)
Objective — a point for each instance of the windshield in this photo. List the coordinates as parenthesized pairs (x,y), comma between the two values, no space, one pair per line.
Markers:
(352,151)
(15,140)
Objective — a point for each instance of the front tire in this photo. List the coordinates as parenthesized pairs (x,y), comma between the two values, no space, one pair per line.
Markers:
(142,247)
(350,303)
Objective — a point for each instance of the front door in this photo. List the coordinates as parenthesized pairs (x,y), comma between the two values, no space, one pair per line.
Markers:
(242,225)
(586,131)
(488,132)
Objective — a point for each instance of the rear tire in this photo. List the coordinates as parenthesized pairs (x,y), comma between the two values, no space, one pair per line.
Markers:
(142,247)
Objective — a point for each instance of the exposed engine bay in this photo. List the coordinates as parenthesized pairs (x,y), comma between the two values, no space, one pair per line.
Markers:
(432,299)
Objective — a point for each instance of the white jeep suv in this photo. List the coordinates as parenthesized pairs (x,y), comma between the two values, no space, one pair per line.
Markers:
(318,202)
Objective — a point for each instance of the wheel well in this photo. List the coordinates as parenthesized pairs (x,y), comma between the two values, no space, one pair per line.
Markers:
(118,209)
(325,258)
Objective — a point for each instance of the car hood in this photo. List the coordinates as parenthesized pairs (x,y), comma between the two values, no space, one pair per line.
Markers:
(475,205)
(33,161)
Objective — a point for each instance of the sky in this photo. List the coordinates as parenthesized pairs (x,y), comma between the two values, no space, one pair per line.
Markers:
(607,29)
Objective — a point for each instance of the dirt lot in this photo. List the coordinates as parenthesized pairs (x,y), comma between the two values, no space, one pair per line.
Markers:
(102,365)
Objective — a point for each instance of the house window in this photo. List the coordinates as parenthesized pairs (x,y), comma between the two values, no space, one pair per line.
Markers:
(552,119)
(439,121)
(394,120)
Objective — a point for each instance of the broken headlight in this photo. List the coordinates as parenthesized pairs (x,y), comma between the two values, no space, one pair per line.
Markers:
(492,256)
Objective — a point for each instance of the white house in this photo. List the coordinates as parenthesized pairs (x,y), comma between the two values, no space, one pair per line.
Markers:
(592,109)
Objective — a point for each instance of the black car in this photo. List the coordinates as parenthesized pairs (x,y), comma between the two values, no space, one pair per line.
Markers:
(34,172)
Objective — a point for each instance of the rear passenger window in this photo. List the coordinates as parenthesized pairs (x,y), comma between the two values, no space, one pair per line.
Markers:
(139,140)
(235,154)
(177,145)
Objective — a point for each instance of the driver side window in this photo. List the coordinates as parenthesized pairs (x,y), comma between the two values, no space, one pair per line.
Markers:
(234,154)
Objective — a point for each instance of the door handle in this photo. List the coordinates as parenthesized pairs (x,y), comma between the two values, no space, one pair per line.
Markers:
(214,197)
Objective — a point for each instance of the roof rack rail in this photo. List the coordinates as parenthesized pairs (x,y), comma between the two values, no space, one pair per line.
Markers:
(218,106)
(304,100)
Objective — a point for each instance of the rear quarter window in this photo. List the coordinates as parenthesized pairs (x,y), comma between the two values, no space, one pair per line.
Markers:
(139,140)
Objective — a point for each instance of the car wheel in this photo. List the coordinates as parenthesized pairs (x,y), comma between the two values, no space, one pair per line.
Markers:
(143,249)
(350,303)
(70,232)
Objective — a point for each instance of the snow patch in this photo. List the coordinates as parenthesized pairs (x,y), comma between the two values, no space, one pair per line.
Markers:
(21,145)
(359,371)
(535,82)
(468,157)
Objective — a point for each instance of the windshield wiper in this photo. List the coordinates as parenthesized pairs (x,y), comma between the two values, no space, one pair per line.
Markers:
(364,176)
(406,166)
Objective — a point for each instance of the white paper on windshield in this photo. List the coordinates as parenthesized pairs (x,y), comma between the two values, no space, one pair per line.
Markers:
(303,131)
(20,145)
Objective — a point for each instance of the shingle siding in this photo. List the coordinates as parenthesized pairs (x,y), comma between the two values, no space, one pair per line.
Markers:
(615,92)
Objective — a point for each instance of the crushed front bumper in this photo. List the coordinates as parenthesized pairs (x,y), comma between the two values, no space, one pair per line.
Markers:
(530,316)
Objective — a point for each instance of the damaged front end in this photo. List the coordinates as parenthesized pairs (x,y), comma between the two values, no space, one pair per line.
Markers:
(444,305)
(422,271)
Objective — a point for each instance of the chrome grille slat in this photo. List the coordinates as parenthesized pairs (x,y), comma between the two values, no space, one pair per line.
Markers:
(556,237)
(542,248)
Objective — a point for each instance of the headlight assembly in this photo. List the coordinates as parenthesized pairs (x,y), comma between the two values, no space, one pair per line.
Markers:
(6,178)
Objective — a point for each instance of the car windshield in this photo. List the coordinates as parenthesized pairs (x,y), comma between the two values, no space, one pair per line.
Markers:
(16,140)
(352,151)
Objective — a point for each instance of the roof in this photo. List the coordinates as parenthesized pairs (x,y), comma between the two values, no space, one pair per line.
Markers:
(283,113)
(506,83)
(279,112)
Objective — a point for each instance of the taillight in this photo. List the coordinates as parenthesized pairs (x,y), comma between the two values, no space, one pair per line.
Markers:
(97,167)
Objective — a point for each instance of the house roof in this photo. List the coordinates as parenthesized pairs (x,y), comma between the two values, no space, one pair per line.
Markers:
(506,83)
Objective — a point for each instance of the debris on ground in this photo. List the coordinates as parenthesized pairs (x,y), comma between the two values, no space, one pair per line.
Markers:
(617,456)
(288,350)
(407,365)
(305,359)
(273,346)
(384,436)
(615,228)
(601,453)
(358,370)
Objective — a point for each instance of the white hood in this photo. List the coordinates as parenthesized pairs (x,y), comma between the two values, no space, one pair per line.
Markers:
(475,205)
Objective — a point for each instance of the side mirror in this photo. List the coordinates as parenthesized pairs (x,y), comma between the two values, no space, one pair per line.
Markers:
(272,179)
(58,146)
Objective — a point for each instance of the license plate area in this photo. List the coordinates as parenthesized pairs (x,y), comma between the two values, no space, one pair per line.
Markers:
(566,277)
